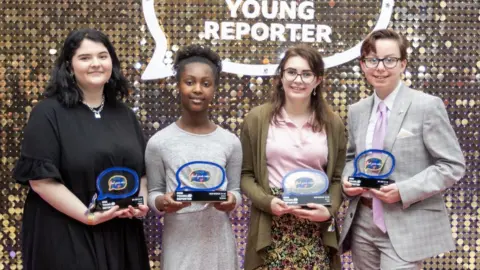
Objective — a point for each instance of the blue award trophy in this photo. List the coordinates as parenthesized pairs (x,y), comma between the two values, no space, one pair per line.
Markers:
(200,181)
(116,186)
(304,186)
(375,162)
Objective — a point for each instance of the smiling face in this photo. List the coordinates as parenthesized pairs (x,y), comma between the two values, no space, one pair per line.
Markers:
(301,87)
(196,86)
(383,79)
(91,65)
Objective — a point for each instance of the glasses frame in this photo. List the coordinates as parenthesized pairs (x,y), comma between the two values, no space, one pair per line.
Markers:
(381,60)
(298,74)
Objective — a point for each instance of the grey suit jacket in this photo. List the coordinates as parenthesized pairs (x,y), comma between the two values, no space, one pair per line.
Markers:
(427,163)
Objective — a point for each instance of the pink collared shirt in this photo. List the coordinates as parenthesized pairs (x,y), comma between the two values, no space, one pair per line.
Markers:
(290,147)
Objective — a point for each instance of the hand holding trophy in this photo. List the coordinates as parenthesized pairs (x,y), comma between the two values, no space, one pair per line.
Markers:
(228,205)
(170,205)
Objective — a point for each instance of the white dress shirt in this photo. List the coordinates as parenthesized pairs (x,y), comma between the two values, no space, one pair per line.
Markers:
(389,101)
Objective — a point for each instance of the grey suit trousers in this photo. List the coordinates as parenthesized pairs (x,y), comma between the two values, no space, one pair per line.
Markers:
(371,248)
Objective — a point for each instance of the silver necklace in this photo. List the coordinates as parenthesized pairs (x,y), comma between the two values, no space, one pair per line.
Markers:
(97,112)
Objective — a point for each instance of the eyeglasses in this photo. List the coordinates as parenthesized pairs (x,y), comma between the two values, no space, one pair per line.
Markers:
(388,62)
(291,75)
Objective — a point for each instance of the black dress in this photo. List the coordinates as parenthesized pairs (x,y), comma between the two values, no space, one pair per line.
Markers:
(71,146)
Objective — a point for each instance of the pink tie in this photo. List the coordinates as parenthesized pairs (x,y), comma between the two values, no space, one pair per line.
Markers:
(378,138)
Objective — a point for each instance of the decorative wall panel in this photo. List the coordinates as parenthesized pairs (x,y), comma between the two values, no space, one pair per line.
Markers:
(444,60)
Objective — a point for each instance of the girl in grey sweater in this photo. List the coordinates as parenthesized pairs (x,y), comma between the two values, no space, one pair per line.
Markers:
(195,235)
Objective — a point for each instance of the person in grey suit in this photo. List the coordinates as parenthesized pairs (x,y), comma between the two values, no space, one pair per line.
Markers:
(411,220)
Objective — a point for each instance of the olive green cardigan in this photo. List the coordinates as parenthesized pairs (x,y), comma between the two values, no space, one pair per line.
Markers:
(255,184)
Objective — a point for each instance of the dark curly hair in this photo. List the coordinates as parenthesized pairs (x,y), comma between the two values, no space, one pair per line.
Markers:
(197,54)
(319,105)
(64,87)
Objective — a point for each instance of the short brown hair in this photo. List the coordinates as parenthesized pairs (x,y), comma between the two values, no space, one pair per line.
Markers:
(368,45)
(318,103)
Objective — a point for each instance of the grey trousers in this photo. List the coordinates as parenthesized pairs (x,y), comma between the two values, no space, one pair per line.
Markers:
(371,248)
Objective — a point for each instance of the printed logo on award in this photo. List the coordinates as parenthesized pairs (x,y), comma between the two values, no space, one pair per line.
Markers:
(117,182)
(304,182)
(238,24)
(199,176)
(373,165)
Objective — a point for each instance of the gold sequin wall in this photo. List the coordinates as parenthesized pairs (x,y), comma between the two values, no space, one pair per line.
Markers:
(444,60)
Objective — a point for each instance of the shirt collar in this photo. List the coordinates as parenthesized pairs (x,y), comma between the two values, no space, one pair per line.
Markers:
(283,118)
(389,100)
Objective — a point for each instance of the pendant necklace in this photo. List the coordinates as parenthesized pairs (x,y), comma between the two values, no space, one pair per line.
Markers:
(97,111)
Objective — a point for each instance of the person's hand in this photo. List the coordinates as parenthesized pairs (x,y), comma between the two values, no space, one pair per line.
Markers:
(99,217)
(279,207)
(228,205)
(139,212)
(351,191)
(387,194)
(316,213)
(170,205)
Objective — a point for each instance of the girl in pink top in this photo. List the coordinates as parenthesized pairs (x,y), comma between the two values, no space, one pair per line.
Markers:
(295,130)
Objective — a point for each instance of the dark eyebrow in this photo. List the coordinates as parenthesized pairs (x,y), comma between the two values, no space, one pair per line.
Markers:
(386,56)
(188,76)
(89,54)
(309,70)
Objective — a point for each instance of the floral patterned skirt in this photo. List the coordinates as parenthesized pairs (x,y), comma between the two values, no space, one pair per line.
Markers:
(296,244)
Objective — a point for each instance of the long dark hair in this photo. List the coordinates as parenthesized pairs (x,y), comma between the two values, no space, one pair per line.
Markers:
(317,102)
(63,85)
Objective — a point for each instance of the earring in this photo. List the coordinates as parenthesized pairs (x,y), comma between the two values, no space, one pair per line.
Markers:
(314,92)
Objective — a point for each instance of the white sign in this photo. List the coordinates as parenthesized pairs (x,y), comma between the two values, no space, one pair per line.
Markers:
(235,29)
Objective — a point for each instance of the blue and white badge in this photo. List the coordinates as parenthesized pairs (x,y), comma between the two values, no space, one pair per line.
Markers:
(200,181)
(304,186)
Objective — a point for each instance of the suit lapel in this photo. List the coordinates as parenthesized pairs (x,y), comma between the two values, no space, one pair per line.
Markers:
(363,120)
(400,106)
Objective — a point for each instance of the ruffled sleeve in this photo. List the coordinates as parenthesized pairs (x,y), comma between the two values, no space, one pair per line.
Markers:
(40,152)
(28,169)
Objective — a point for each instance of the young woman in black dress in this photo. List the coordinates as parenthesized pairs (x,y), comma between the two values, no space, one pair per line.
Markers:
(78,131)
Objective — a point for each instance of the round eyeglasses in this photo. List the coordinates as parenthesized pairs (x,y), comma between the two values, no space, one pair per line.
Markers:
(388,62)
(291,75)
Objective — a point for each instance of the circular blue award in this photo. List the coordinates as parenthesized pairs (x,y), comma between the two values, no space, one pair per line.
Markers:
(378,166)
(200,181)
(304,186)
(116,186)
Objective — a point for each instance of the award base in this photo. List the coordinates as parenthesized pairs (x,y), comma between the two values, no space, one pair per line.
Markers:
(106,204)
(200,196)
(366,182)
(304,199)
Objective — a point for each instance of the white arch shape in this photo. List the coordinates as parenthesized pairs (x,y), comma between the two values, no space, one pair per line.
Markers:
(156,69)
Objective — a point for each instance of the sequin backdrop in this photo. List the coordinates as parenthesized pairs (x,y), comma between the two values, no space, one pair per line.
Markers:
(444,60)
